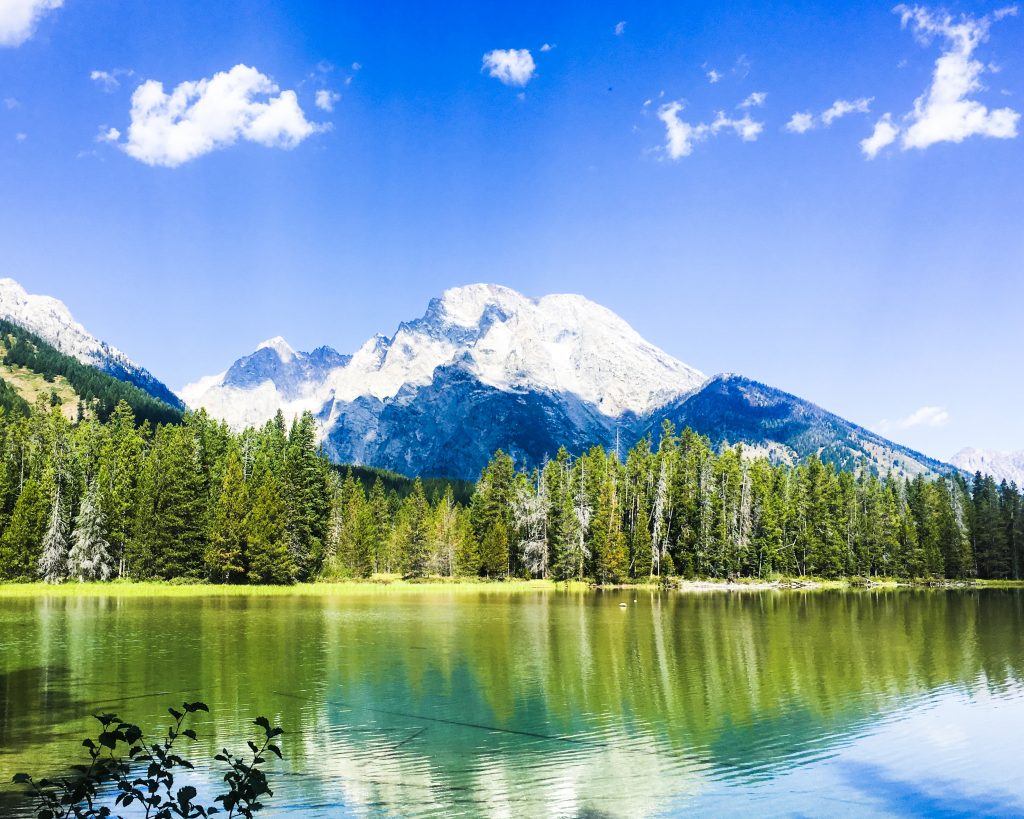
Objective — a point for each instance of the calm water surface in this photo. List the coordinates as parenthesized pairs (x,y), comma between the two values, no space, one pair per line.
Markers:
(550,703)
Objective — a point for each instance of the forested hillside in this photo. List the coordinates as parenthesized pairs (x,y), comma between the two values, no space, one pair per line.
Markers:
(11,400)
(99,391)
(97,500)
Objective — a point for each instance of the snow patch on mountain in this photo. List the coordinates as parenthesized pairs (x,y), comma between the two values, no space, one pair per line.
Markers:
(50,319)
(558,344)
(283,349)
(1000,464)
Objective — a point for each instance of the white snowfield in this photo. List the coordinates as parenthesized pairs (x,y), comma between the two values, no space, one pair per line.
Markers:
(556,344)
(50,319)
(1000,464)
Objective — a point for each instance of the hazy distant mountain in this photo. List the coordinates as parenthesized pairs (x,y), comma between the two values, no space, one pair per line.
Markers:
(1000,464)
(51,320)
(486,367)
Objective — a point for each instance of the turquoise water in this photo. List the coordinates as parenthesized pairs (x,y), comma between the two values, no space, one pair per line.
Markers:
(437,703)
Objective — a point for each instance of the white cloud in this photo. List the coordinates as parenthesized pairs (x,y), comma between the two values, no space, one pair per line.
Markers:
(108,80)
(10,103)
(18,18)
(924,417)
(800,123)
(746,129)
(804,121)
(681,136)
(21,136)
(713,76)
(108,134)
(326,99)
(548,47)
(944,112)
(755,100)
(511,66)
(620,28)
(840,108)
(208,114)
(885,134)
(357,66)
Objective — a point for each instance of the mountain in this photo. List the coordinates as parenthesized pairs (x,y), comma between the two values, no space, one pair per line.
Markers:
(486,368)
(32,369)
(50,319)
(731,409)
(1000,464)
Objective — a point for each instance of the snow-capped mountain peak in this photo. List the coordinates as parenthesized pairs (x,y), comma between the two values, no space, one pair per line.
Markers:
(562,343)
(558,345)
(50,319)
(284,350)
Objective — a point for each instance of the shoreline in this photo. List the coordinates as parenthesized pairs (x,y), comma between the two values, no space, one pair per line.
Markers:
(393,585)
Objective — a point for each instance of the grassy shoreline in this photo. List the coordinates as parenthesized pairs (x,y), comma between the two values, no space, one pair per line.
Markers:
(393,585)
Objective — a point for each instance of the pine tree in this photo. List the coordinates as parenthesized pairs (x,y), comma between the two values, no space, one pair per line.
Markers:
(661,519)
(556,476)
(608,540)
(641,546)
(491,505)
(228,541)
(21,539)
(530,509)
(119,469)
(991,548)
(494,550)
(270,559)
(766,527)
(90,556)
(576,553)
(171,529)
(307,504)
(53,557)
(355,530)
(378,513)
(467,550)
(415,516)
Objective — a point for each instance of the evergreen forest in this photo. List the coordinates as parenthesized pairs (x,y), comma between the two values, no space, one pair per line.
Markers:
(193,501)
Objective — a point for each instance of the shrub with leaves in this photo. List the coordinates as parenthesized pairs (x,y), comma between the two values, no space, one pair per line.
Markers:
(125,770)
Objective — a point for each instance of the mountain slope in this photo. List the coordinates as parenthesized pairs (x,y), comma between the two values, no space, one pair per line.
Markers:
(487,368)
(33,368)
(731,409)
(1000,464)
(452,426)
(50,320)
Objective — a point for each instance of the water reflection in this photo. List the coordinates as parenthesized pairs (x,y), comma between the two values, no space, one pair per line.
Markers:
(557,704)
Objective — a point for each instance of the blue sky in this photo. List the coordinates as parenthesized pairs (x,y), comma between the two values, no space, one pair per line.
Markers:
(609,165)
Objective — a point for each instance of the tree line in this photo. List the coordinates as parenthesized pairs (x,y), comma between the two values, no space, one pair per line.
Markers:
(96,500)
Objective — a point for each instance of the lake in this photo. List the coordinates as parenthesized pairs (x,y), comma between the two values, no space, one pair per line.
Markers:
(490,703)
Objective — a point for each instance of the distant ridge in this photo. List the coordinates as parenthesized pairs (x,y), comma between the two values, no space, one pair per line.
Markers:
(1002,465)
